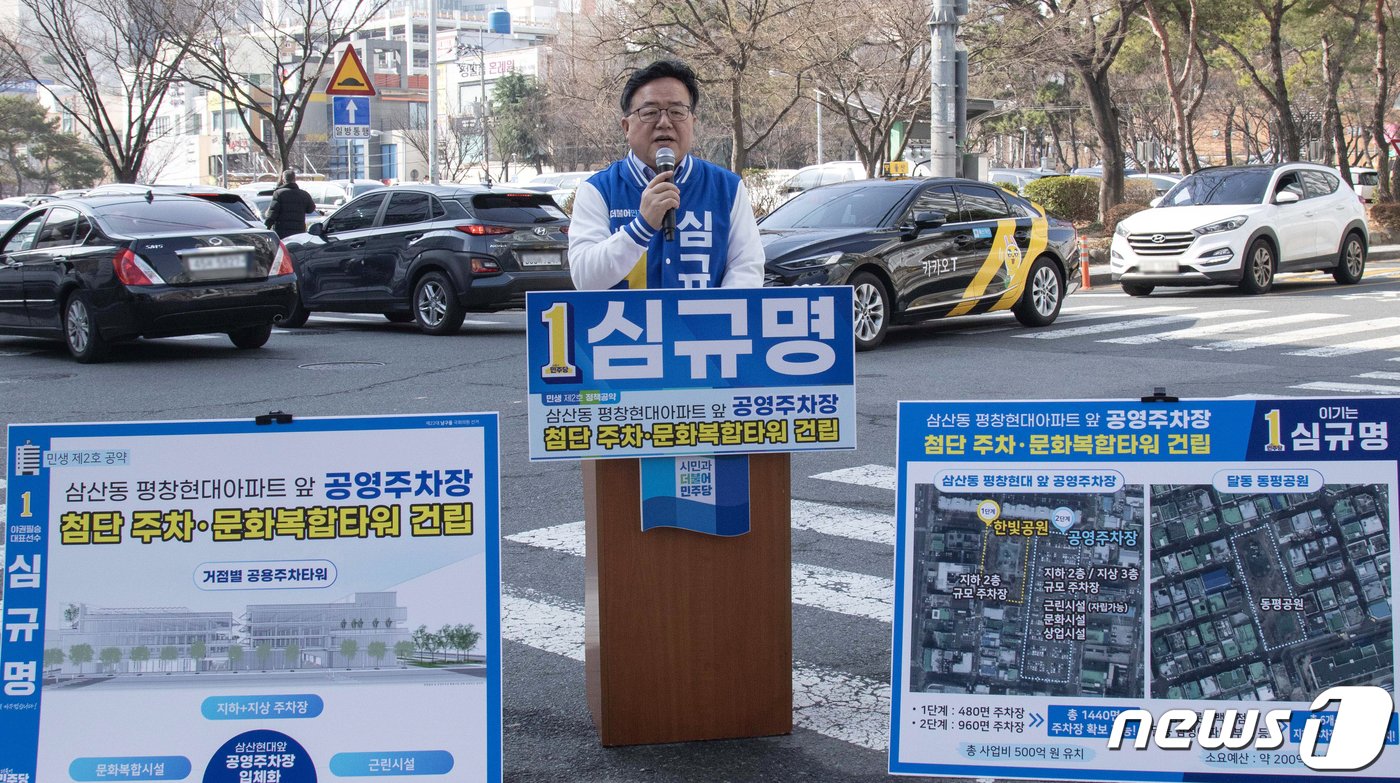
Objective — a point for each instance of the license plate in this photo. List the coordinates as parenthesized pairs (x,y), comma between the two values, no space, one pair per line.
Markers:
(1157,266)
(217,263)
(528,258)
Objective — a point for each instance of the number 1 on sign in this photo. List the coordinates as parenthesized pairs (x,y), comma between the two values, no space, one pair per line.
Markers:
(24,510)
(561,345)
(1275,431)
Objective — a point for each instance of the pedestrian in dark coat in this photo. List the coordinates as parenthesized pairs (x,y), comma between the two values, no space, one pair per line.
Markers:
(290,206)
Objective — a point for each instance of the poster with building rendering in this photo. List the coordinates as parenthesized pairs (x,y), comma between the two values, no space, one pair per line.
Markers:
(253,602)
(1062,564)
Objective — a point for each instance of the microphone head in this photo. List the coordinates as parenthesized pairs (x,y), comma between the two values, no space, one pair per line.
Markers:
(665,159)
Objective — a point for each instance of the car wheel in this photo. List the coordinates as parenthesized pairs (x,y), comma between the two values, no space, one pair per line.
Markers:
(251,337)
(1043,295)
(1352,263)
(297,317)
(435,305)
(80,330)
(872,317)
(1258,268)
(1136,289)
(398,318)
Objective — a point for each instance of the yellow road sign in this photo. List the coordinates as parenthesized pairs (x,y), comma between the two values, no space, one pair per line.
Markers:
(349,77)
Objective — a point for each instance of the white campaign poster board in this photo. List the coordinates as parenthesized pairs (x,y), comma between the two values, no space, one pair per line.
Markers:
(274,603)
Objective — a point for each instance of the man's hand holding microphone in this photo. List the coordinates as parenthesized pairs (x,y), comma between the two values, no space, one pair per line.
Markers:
(662,197)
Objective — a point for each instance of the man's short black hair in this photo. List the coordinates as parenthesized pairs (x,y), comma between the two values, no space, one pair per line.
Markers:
(661,69)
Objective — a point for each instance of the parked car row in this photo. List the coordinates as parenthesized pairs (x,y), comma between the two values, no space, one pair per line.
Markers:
(100,269)
(126,262)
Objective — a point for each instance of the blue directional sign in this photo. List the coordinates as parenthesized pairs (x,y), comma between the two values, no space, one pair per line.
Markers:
(350,116)
(350,110)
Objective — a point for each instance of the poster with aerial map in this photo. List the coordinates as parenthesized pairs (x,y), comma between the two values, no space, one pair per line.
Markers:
(1060,564)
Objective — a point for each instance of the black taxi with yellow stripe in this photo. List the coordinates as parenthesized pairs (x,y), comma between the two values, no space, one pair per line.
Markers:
(917,249)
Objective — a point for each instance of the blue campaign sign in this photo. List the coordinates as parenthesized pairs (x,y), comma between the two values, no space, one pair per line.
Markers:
(349,110)
(1071,571)
(250,592)
(690,371)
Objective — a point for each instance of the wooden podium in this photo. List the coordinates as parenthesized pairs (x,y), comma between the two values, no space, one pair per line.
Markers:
(688,636)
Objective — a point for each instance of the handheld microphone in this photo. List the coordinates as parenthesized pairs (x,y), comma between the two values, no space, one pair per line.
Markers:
(666,161)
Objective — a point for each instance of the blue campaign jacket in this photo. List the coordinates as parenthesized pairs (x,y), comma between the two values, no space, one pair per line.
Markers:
(699,254)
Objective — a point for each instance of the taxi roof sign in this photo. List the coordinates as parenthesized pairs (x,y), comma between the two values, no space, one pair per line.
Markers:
(349,77)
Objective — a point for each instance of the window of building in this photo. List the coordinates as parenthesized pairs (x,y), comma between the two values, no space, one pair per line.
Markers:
(418,115)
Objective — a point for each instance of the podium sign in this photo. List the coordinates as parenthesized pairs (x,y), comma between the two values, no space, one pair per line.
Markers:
(226,601)
(1064,567)
(676,372)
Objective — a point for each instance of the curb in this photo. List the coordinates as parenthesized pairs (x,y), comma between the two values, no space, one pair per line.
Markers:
(1101,277)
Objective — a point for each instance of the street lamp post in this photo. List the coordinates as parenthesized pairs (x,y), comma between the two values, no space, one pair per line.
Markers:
(819,125)
(1024,131)
(432,92)
(485,108)
(480,51)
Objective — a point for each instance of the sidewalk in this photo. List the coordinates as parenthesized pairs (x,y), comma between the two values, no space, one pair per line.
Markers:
(1100,277)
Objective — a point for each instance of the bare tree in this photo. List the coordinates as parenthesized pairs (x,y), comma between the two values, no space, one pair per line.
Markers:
(108,64)
(458,139)
(879,75)
(286,53)
(11,67)
(586,75)
(1264,19)
(733,45)
(1385,189)
(1340,34)
(1085,36)
(1186,86)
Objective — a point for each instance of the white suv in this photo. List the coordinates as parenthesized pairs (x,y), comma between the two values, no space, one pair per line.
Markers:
(1241,225)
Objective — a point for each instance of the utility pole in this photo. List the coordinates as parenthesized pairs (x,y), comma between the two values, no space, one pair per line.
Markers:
(943,100)
(485,108)
(432,91)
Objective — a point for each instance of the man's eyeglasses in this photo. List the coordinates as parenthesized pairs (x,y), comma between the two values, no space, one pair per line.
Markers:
(652,114)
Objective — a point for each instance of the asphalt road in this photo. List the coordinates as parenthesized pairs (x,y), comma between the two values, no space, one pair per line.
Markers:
(1308,338)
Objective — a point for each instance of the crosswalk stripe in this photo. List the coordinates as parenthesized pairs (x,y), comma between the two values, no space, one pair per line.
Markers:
(1080,314)
(842,592)
(1207,330)
(843,706)
(1386,343)
(567,538)
(879,476)
(1298,335)
(1136,323)
(1380,376)
(836,704)
(543,622)
(843,522)
(1348,388)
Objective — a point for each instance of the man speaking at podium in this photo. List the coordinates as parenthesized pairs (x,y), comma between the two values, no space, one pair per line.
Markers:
(618,239)
(688,636)
(662,218)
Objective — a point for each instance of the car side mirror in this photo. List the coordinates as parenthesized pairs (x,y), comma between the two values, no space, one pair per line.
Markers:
(1286,197)
(316,230)
(929,219)
(1156,202)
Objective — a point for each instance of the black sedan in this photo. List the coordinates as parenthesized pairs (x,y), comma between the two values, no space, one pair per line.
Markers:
(916,249)
(431,253)
(97,270)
